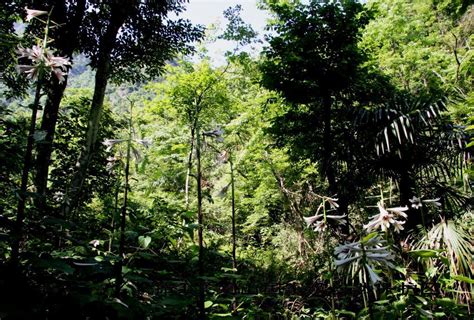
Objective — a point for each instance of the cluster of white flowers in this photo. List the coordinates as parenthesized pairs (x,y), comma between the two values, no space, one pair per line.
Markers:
(386,218)
(372,251)
(110,143)
(58,196)
(42,59)
(319,221)
(417,203)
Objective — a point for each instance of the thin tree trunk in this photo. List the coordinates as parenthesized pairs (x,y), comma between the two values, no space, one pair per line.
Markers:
(201,297)
(17,231)
(234,238)
(188,172)
(327,166)
(45,148)
(115,211)
(101,79)
(119,277)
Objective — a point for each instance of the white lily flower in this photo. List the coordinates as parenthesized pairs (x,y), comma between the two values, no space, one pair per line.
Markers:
(144,142)
(333,202)
(398,226)
(399,211)
(42,60)
(433,201)
(418,202)
(311,220)
(319,226)
(333,217)
(58,196)
(31,13)
(415,202)
(59,65)
(318,223)
(94,243)
(109,143)
(387,218)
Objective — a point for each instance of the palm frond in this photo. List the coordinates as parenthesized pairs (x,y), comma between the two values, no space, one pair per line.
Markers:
(416,131)
(453,238)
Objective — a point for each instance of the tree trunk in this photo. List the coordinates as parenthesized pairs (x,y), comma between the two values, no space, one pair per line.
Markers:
(327,166)
(201,297)
(114,214)
(234,239)
(45,148)
(17,231)
(101,79)
(121,253)
(188,172)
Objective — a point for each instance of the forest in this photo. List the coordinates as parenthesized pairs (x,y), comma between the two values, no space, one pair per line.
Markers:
(321,171)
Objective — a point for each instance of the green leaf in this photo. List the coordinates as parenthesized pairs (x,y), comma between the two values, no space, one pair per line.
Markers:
(400,305)
(401,270)
(445,302)
(188,215)
(425,253)
(422,300)
(346,313)
(368,237)
(463,279)
(444,260)
(85,264)
(208,304)
(144,241)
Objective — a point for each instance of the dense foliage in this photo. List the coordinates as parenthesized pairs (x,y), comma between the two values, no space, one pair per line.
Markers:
(328,177)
